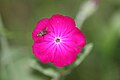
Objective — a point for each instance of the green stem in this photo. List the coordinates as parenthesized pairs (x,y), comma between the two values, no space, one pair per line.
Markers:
(58,77)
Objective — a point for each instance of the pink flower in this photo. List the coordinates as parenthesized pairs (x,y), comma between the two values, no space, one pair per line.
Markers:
(57,40)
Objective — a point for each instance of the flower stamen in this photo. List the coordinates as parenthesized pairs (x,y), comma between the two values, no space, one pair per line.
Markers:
(57,40)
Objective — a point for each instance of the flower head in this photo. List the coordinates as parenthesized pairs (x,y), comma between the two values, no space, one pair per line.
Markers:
(57,40)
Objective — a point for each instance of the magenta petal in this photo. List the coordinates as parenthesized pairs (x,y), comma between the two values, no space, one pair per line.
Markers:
(79,38)
(64,57)
(61,23)
(43,51)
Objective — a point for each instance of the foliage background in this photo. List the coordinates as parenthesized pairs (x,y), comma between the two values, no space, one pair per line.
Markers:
(18,19)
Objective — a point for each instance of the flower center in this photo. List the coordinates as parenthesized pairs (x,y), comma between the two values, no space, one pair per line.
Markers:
(57,40)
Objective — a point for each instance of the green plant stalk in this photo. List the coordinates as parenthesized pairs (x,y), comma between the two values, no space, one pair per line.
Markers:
(85,11)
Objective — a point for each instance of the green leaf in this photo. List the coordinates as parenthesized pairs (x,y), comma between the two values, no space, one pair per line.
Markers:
(49,71)
(83,55)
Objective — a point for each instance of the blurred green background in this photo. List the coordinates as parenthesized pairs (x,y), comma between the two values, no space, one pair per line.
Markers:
(19,17)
